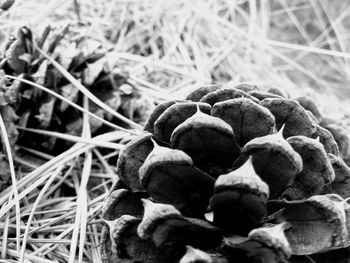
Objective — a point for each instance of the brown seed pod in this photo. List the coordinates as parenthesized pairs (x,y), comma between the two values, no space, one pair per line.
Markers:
(239,200)
(312,117)
(279,92)
(317,169)
(131,157)
(265,244)
(341,136)
(175,115)
(171,231)
(209,141)
(309,104)
(246,87)
(149,125)
(275,161)
(252,252)
(293,115)
(341,183)
(169,176)
(261,95)
(107,256)
(127,246)
(327,139)
(226,94)
(153,215)
(318,224)
(247,118)
(201,92)
(123,202)
(194,255)
(273,237)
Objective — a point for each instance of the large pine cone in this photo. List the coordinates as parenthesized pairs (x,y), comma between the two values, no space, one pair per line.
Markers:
(231,175)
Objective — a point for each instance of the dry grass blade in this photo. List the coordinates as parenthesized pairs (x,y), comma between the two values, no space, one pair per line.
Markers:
(42,173)
(46,241)
(81,203)
(23,194)
(105,165)
(62,179)
(30,258)
(66,156)
(35,205)
(47,248)
(40,154)
(321,51)
(5,233)
(13,179)
(81,213)
(76,139)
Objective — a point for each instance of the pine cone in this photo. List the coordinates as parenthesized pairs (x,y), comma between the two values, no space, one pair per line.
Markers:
(230,175)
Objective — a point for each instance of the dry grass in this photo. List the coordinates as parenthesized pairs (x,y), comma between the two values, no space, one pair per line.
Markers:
(168,48)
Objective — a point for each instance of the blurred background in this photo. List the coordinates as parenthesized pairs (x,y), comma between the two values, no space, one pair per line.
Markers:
(175,45)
